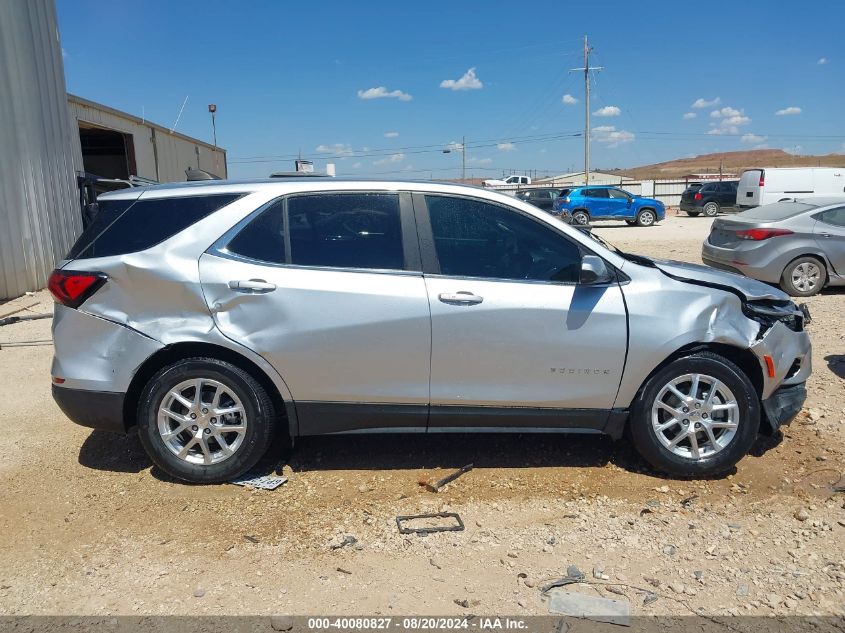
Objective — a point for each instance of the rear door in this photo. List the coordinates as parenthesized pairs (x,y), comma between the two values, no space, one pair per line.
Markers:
(830,235)
(327,288)
(515,338)
(749,191)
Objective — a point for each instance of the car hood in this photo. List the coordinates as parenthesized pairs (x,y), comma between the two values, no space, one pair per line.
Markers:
(649,200)
(752,289)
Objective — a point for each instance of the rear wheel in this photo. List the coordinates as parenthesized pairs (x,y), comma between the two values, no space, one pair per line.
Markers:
(711,209)
(580,217)
(646,217)
(804,277)
(693,214)
(698,416)
(205,421)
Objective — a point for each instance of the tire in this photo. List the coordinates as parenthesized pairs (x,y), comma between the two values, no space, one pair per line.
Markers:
(732,444)
(250,414)
(804,277)
(711,209)
(646,217)
(693,214)
(580,217)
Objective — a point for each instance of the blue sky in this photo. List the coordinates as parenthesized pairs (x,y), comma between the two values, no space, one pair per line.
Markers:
(380,88)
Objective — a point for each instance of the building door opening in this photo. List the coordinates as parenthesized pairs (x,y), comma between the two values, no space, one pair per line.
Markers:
(107,153)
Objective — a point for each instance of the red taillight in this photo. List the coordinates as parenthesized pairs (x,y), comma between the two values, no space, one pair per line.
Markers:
(698,195)
(762,178)
(761,234)
(71,288)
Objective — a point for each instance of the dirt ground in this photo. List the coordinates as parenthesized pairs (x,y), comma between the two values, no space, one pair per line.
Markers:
(88,527)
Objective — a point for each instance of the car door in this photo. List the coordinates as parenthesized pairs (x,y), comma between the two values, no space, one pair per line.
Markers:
(618,204)
(727,195)
(829,232)
(327,288)
(597,202)
(516,340)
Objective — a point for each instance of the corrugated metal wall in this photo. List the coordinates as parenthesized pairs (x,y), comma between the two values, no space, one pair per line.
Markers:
(39,209)
(159,154)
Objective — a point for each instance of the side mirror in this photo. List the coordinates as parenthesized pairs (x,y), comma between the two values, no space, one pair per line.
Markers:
(594,270)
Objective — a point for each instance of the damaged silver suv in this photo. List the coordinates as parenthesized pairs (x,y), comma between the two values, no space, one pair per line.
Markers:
(215,316)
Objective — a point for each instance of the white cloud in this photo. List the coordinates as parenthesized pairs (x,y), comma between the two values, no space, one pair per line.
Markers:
(393,158)
(480,161)
(356,165)
(469,81)
(788,111)
(822,61)
(383,93)
(568,99)
(729,120)
(704,103)
(391,134)
(608,111)
(506,147)
(609,135)
(689,115)
(753,138)
(727,111)
(454,146)
(338,149)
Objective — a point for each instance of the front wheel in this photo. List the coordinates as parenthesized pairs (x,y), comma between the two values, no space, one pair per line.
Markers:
(696,417)
(204,420)
(580,217)
(646,217)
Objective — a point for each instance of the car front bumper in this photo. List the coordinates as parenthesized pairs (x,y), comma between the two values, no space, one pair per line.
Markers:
(783,405)
(785,356)
(95,409)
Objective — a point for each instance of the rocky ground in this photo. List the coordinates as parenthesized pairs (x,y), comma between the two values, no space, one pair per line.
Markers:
(87,527)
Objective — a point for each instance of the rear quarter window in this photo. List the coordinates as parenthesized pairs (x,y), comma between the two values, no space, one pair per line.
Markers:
(129,226)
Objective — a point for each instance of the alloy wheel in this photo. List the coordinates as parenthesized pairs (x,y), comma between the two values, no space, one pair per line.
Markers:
(646,218)
(695,416)
(202,421)
(806,276)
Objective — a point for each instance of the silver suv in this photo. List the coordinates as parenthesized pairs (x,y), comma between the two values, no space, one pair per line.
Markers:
(216,316)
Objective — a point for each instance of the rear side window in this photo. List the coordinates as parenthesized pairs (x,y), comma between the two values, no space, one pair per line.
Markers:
(263,238)
(594,193)
(834,217)
(127,226)
(346,230)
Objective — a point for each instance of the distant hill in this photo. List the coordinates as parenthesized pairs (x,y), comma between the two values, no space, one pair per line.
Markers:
(732,162)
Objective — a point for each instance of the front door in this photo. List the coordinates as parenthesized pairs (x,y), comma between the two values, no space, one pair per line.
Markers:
(324,287)
(618,204)
(516,340)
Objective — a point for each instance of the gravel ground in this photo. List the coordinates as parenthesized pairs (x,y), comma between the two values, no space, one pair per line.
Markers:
(88,527)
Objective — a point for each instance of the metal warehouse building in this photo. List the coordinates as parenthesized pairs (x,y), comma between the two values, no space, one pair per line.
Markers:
(48,138)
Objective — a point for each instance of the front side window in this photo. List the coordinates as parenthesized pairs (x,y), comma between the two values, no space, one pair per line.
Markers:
(617,194)
(346,230)
(474,238)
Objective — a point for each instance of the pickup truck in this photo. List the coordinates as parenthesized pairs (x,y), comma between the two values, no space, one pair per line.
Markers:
(510,181)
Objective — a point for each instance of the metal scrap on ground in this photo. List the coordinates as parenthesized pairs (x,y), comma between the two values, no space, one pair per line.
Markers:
(458,526)
(264,482)
(580,605)
(435,486)
(573,575)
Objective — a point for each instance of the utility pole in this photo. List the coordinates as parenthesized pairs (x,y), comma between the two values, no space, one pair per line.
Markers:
(463,158)
(587,69)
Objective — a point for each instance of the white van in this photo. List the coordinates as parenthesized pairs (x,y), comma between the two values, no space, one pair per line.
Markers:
(773,184)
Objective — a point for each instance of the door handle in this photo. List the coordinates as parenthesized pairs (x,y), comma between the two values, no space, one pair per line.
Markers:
(825,234)
(252,285)
(461,297)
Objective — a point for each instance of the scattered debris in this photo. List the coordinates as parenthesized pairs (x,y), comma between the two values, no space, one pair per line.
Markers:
(344,571)
(580,605)
(573,575)
(28,317)
(250,538)
(348,539)
(199,592)
(458,526)
(649,598)
(435,486)
(466,604)
(689,501)
(801,515)
(264,482)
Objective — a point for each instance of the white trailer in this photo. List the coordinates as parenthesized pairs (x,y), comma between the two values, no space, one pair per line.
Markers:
(771,184)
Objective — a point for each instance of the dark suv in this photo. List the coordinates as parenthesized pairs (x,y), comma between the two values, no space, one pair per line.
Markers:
(709,198)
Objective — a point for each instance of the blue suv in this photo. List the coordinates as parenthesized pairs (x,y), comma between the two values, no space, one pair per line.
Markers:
(609,203)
